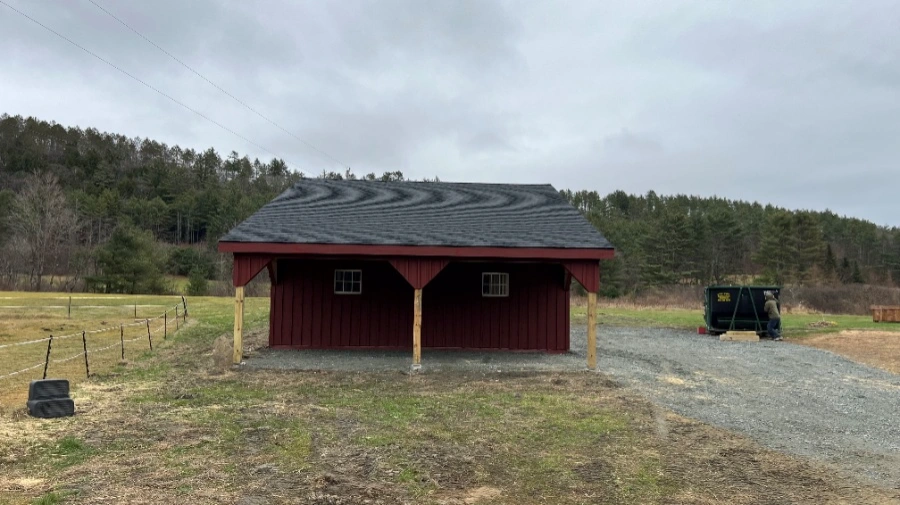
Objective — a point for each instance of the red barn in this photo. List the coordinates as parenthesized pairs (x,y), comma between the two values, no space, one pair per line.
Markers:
(407,265)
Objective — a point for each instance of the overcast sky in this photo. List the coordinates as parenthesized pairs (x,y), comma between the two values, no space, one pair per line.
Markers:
(791,103)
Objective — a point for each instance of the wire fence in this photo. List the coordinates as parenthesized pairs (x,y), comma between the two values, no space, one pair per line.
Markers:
(174,316)
(76,305)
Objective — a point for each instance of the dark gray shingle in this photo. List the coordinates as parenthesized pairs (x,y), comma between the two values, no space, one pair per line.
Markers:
(316,211)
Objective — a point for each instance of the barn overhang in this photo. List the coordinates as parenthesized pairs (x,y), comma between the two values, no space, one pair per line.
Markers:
(524,253)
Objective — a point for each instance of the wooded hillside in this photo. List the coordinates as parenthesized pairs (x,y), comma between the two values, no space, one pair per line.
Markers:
(664,240)
(112,213)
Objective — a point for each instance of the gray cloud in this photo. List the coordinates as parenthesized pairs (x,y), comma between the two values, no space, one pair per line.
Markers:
(789,103)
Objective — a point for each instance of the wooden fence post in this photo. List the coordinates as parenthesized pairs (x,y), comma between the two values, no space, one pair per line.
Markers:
(87,368)
(47,359)
(184,302)
(70,307)
(149,338)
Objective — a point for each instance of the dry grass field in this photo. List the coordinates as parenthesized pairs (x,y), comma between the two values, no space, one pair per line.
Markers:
(879,349)
(167,427)
(26,317)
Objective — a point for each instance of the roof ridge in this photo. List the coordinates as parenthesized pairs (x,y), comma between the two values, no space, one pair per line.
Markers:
(468,183)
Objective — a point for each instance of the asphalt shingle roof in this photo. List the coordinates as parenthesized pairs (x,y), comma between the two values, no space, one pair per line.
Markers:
(316,211)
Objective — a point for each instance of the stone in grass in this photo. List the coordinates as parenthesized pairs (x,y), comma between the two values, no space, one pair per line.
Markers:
(222,354)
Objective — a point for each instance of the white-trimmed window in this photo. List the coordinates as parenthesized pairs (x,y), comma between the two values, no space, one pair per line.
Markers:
(348,282)
(494,284)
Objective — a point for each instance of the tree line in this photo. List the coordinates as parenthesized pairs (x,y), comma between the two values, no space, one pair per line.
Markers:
(665,240)
(83,209)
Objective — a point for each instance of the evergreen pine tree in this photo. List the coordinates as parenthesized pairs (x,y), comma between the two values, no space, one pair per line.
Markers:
(777,251)
(724,245)
(829,265)
(809,244)
(857,277)
(846,271)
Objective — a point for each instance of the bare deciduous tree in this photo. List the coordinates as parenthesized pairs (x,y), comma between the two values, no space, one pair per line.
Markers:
(43,226)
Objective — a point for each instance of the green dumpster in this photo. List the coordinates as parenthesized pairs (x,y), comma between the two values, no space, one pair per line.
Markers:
(737,308)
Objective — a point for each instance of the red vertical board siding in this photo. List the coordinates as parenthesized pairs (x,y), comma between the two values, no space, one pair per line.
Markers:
(585,272)
(297,319)
(271,311)
(306,313)
(418,272)
(283,308)
(566,344)
(246,266)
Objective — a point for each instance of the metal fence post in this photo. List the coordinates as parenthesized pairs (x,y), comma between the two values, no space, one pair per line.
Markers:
(165,325)
(184,302)
(122,339)
(87,368)
(149,338)
(70,307)
(47,359)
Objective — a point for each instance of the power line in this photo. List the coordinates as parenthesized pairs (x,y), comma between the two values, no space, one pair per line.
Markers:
(113,65)
(211,83)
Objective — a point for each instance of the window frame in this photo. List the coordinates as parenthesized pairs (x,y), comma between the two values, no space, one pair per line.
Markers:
(502,282)
(344,282)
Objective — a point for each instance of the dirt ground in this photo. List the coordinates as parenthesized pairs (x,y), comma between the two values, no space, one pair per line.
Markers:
(172,430)
(880,349)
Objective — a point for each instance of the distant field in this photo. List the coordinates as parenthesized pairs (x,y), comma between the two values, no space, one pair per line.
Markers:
(35,316)
(795,325)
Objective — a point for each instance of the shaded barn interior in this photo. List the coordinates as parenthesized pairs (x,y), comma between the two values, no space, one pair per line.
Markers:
(307,313)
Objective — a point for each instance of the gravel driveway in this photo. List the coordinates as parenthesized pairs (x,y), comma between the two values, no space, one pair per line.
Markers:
(791,398)
(787,397)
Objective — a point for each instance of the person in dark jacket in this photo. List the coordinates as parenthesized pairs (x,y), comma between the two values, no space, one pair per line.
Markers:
(771,308)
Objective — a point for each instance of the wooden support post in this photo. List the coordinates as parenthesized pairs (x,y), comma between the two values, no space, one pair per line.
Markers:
(417,330)
(70,308)
(592,332)
(238,323)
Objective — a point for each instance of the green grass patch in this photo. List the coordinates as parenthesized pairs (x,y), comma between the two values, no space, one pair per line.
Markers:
(52,498)
(296,448)
(649,481)
(69,451)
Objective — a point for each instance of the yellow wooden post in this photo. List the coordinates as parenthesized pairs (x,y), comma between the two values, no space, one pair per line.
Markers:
(238,323)
(592,331)
(417,330)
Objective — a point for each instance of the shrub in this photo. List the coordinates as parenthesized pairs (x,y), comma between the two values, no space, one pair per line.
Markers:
(197,284)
